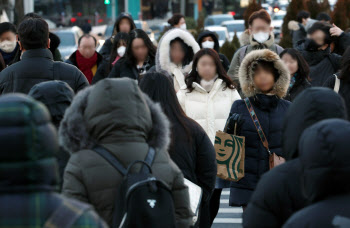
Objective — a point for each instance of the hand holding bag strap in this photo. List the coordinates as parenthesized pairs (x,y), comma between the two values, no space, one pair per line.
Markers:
(226,126)
(257,124)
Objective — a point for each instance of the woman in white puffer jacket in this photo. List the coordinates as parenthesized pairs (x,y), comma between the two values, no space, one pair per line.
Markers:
(175,54)
(209,93)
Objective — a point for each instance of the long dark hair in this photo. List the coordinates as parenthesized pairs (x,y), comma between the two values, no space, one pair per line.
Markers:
(194,76)
(186,49)
(160,89)
(345,66)
(303,71)
(121,36)
(139,33)
(119,19)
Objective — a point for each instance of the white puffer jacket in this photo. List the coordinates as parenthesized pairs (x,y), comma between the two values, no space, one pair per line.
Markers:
(163,62)
(210,110)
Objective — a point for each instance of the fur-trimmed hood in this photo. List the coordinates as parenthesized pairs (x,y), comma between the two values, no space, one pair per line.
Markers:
(113,111)
(244,38)
(246,73)
(163,62)
(247,39)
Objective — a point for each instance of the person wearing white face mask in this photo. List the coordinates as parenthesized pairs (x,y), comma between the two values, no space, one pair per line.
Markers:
(260,37)
(178,21)
(120,42)
(8,44)
(208,39)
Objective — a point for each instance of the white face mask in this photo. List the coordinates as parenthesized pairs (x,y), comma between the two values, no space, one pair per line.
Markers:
(261,37)
(183,26)
(121,51)
(8,46)
(208,44)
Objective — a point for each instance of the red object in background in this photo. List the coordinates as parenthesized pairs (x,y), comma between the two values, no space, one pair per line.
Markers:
(232,13)
(100,20)
(89,21)
(79,14)
(73,20)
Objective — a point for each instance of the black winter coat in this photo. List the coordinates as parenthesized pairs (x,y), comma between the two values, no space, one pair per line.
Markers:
(106,48)
(322,64)
(124,69)
(102,72)
(325,159)
(223,58)
(341,43)
(38,66)
(278,194)
(344,91)
(196,158)
(270,111)
(297,88)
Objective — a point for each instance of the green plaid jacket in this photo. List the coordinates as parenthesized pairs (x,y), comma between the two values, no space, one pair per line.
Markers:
(32,210)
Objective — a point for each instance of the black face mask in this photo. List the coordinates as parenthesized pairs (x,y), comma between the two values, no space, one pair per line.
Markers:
(311,45)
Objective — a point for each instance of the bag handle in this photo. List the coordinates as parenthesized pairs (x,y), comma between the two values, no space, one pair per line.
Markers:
(337,84)
(226,126)
(257,124)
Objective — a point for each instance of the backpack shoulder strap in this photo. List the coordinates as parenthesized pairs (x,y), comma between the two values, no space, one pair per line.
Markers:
(110,158)
(149,159)
(279,49)
(257,124)
(242,53)
(66,214)
(337,84)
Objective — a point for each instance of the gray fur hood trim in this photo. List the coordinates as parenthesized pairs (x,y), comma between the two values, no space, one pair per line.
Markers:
(244,38)
(246,73)
(163,58)
(74,136)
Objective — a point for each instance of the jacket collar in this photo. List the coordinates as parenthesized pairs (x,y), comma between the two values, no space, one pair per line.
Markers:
(216,87)
(37,53)
(267,44)
(73,58)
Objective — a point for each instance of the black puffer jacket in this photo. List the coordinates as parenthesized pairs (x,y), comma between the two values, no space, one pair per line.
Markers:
(223,58)
(56,96)
(297,88)
(38,66)
(278,194)
(322,64)
(344,90)
(325,162)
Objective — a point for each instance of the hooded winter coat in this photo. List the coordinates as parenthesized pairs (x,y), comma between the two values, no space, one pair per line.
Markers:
(299,31)
(211,109)
(323,64)
(163,61)
(56,96)
(127,123)
(223,58)
(278,194)
(270,110)
(252,45)
(107,46)
(28,169)
(325,165)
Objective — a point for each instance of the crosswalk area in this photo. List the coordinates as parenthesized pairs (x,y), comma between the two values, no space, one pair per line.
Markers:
(228,216)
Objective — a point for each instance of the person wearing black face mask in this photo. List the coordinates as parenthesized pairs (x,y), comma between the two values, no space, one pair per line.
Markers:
(317,52)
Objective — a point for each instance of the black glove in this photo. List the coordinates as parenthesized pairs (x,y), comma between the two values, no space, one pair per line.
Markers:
(232,121)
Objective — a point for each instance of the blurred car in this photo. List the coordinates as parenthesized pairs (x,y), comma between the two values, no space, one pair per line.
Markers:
(69,40)
(158,29)
(267,7)
(222,33)
(234,26)
(277,22)
(216,20)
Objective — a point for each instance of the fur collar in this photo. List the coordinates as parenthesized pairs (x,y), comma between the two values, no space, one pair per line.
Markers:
(244,38)
(246,73)
(268,43)
(74,136)
(163,58)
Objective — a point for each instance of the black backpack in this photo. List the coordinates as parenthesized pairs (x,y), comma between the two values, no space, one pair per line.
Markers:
(142,200)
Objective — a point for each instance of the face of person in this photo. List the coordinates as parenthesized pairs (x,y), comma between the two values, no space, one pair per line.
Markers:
(176,53)
(263,80)
(8,36)
(259,25)
(124,25)
(291,63)
(139,49)
(318,36)
(304,21)
(206,68)
(87,47)
(181,22)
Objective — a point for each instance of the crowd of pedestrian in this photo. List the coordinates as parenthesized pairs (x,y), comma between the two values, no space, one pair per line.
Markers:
(124,136)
